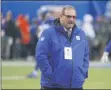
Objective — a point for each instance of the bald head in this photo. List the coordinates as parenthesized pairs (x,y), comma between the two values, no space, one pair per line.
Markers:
(67,7)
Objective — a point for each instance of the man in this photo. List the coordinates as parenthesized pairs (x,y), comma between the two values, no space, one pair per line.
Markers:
(88,28)
(11,37)
(23,24)
(107,51)
(62,53)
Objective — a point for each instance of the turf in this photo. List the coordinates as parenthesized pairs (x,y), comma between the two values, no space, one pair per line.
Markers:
(15,78)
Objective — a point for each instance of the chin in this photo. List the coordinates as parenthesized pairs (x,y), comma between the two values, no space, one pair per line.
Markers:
(67,27)
(70,27)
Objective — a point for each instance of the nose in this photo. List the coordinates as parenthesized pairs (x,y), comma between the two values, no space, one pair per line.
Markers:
(71,19)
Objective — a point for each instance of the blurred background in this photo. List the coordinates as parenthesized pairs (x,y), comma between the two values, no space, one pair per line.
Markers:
(22,23)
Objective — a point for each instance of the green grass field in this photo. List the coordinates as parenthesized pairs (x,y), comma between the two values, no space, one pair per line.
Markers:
(15,78)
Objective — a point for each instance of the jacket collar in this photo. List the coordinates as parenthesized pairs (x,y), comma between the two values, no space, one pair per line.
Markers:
(60,28)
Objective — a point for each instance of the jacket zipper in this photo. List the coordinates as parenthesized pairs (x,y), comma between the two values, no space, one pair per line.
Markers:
(69,40)
(72,73)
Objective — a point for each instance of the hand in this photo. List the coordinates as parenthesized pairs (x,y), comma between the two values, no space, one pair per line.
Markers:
(104,58)
(10,41)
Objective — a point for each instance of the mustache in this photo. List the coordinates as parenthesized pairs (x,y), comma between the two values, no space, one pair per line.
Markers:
(70,22)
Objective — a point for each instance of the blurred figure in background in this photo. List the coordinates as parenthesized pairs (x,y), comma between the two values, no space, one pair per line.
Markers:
(24,26)
(89,31)
(107,51)
(2,34)
(46,19)
(11,36)
(102,27)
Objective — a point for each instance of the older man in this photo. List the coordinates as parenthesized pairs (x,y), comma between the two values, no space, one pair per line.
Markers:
(62,53)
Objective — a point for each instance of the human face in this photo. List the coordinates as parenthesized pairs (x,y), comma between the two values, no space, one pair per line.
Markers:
(69,18)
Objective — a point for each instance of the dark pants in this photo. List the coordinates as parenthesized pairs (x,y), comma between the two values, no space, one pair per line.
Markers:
(48,88)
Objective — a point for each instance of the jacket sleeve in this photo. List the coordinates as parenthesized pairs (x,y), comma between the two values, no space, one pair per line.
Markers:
(108,47)
(42,54)
(86,59)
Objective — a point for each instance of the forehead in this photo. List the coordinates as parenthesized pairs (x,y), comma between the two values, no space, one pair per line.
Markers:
(70,11)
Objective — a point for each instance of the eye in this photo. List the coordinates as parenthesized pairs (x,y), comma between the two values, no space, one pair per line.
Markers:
(69,16)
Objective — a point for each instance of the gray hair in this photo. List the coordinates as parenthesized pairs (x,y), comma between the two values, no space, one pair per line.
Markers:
(67,7)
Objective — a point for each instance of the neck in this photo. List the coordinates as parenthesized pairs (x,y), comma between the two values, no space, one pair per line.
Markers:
(64,26)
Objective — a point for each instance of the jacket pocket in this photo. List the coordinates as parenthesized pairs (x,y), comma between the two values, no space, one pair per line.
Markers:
(62,75)
(78,74)
(58,79)
(48,74)
(81,71)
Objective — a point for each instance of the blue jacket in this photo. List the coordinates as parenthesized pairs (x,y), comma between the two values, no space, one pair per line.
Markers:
(57,72)
(108,47)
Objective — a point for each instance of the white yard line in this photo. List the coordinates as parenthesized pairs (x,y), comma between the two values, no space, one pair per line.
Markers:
(13,77)
(32,63)
(17,63)
(98,82)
